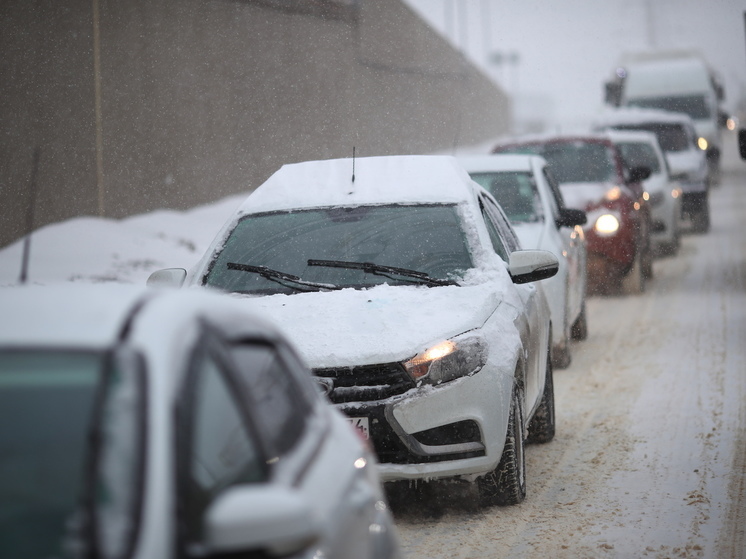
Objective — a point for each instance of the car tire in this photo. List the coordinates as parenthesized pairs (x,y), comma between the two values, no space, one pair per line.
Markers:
(506,484)
(579,330)
(542,426)
(634,282)
(701,219)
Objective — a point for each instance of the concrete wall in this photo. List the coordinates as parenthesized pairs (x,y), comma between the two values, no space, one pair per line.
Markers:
(199,99)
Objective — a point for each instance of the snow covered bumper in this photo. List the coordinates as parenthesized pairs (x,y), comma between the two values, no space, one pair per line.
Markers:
(453,429)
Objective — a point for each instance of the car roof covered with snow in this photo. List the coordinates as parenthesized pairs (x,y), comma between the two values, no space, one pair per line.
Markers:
(633,115)
(547,138)
(633,136)
(407,179)
(500,162)
(96,317)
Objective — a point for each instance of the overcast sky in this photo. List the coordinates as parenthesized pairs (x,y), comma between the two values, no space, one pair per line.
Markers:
(566,49)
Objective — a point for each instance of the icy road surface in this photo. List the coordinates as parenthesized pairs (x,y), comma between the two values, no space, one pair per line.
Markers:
(650,453)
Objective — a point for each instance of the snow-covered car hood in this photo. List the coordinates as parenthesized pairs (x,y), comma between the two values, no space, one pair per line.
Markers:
(529,234)
(579,194)
(379,325)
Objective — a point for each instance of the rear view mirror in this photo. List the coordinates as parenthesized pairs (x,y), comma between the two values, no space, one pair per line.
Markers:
(569,217)
(169,277)
(266,518)
(526,266)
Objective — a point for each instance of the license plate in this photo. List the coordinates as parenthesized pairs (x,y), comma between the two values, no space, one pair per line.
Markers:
(361,424)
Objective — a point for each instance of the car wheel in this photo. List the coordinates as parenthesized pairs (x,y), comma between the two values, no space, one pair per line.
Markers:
(542,425)
(579,329)
(560,354)
(701,219)
(634,282)
(506,484)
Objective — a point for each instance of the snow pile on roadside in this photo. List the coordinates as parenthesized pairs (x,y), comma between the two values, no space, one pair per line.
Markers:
(96,250)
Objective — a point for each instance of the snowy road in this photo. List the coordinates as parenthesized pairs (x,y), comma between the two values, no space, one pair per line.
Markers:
(650,453)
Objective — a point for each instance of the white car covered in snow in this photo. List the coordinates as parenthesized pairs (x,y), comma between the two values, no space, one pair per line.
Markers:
(641,149)
(142,424)
(684,150)
(531,199)
(401,283)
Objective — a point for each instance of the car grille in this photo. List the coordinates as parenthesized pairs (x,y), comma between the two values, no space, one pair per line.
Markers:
(366,383)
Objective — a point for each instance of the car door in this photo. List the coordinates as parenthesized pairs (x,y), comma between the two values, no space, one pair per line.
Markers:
(217,446)
(530,307)
(310,446)
(571,240)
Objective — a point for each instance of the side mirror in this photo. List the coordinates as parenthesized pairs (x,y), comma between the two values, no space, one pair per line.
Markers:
(639,174)
(169,277)
(613,93)
(569,217)
(742,143)
(249,518)
(526,266)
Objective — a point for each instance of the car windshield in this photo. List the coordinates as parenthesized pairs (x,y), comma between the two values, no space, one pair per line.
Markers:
(422,238)
(575,161)
(516,193)
(47,405)
(693,105)
(639,154)
(671,136)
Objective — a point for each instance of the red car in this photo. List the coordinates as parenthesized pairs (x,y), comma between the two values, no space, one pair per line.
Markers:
(593,178)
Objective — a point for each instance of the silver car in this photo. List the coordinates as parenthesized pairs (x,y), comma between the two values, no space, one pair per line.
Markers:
(403,286)
(144,424)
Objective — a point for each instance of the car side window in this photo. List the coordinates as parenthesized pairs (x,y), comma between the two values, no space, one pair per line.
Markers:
(555,199)
(504,229)
(218,449)
(497,242)
(554,187)
(279,406)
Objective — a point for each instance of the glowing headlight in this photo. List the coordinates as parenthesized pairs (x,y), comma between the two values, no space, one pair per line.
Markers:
(702,143)
(458,357)
(613,194)
(656,198)
(606,224)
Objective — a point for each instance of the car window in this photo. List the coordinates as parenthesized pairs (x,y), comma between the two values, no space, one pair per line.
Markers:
(279,406)
(639,154)
(695,106)
(516,193)
(425,238)
(556,200)
(580,161)
(497,243)
(217,448)
(46,404)
(671,136)
(504,229)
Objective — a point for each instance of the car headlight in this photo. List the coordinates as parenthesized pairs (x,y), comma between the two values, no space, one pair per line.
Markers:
(702,143)
(606,225)
(614,193)
(450,359)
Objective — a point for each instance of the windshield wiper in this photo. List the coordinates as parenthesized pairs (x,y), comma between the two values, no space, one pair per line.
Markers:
(386,271)
(281,277)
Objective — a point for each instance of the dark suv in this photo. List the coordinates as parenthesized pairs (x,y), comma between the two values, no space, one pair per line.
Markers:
(593,178)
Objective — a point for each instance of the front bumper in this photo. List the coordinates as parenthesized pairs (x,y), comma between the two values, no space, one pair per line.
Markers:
(455,429)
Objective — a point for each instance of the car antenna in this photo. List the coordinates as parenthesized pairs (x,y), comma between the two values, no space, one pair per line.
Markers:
(353,164)
(29,217)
